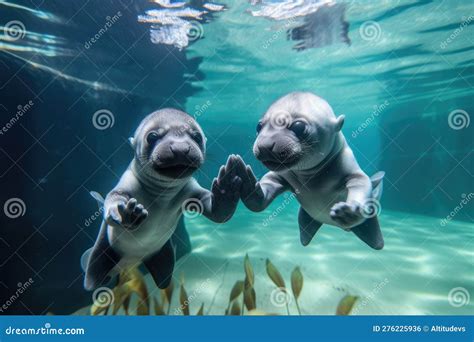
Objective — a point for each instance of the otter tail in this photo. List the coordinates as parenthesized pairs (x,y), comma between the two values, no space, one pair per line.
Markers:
(377,185)
(369,231)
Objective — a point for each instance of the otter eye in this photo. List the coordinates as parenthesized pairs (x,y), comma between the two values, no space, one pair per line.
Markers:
(152,138)
(197,137)
(298,127)
(259,127)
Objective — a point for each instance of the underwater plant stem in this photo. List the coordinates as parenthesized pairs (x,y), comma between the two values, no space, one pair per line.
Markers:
(297,306)
(218,289)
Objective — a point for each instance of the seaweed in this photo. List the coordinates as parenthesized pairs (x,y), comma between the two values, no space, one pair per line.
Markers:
(297,285)
(242,296)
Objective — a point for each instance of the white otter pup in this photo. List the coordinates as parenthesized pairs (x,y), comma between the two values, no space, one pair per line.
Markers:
(144,209)
(300,141)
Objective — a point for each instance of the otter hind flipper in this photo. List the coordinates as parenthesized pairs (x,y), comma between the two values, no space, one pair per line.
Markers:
(180,239)
(308,227)
(161,265)
(101,260)
(369,232)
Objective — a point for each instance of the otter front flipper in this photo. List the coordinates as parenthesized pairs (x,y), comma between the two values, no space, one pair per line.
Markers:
(258,195)
(220,202)
(369,232)
(308,227)
(101,261)
(161,265)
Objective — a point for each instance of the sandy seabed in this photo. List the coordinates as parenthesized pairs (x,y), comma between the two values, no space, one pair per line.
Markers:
(425,268)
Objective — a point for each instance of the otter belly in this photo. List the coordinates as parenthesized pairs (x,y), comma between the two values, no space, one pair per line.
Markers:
(149,238)
(318,203)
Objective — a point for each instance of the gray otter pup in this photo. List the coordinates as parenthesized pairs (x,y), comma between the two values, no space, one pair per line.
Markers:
(300,141)
(143,210)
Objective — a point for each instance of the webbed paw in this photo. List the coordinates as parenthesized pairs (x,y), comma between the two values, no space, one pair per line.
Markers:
(227,184)
(226,190)
(128,214)
(251,192)
(346,215)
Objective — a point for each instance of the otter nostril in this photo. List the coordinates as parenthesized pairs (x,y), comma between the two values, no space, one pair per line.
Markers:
(268,149)
(180,148)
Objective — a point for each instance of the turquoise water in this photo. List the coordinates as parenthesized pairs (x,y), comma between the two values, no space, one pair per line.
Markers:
(412,275)
(405,85)
(408,78)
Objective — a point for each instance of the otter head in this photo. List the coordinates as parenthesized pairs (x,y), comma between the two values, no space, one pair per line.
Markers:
(169,144)
(297,132)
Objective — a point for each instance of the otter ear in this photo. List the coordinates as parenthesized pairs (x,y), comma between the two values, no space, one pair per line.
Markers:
(131,141)
(339,123)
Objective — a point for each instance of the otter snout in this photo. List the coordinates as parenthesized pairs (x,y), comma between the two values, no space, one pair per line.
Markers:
(277,153)
(264,151)
(176,159)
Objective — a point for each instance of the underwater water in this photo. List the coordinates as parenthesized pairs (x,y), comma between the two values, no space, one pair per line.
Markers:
(404,83)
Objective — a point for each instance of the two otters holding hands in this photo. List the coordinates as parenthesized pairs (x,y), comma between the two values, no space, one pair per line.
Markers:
(299,140)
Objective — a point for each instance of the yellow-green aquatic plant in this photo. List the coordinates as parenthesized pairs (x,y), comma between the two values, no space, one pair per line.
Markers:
(277,279)
(346,304)
(297,285)
(242,295)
